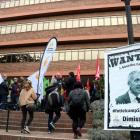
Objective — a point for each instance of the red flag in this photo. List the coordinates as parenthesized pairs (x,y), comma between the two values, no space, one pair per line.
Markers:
(88,86)
(78,73)
(97,75)
(60,73)
(52,78)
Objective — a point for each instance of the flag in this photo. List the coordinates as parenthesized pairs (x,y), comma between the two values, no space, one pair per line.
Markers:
(88,86)
(1,79)
(97,75)
(78,73)
(46,59)
(10,86)
(60,73)
(52,78)
(45,85)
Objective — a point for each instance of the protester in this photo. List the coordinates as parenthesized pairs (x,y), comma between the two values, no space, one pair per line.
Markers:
(79,104)
(86,89)
(69,85)
(4,90)
(27,96)
(22,83)
(58,80)
(53,103)
(14,93)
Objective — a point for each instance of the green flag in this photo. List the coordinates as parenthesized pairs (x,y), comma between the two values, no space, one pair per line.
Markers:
(10,86)
(46,84)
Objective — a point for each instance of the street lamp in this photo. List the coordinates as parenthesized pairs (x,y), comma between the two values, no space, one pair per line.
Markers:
(129,21)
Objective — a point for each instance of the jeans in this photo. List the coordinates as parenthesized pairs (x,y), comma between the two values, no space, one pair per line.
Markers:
(14,100)
(24,114)
(79,119)
(58,115)
(2,100)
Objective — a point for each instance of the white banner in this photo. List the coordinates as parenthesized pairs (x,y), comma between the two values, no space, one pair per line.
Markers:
(122,88)
(1,79)
(46,59)
(34,79)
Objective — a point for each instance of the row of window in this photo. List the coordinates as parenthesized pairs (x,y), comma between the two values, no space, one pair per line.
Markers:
(61,55)
(68,23)
(15,3)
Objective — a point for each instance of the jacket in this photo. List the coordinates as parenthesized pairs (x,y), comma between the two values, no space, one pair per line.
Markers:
(27,97)
(69,85)
(86,104)
(16,91)
(88,94)
(3,89)
(54,80)
(47,105)
(22,83)
(123,99)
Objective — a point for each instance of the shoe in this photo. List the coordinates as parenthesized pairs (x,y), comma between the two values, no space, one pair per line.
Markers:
(22,131)
(27,129)
(50,132)
(52,125)
(79,132)
(75,136)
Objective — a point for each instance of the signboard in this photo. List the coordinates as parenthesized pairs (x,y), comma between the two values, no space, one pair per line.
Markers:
(122,88)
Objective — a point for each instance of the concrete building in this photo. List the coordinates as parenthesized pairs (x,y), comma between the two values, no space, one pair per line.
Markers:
(84,28)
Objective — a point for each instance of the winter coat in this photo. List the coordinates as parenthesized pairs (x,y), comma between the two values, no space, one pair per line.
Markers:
(88,94)
(86,103)
(4,89)
(22,83)
(69,85)
(12,87)
(47,105)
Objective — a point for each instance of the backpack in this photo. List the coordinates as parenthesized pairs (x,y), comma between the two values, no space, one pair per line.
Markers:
(54,98)
(78,100)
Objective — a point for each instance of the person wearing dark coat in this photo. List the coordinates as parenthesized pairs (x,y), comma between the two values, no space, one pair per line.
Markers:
(3,91)
(50,110)
(70,87)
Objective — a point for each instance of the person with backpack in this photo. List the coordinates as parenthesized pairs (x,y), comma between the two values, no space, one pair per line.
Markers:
(53,103)
(79,104)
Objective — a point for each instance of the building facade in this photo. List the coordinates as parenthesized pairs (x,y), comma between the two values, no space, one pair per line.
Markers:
(83,30)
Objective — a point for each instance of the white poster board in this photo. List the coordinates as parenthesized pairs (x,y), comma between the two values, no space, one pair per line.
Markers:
(122,88)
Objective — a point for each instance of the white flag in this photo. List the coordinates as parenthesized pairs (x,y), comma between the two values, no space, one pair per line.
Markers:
(1,79)
(34,79)
(46,59)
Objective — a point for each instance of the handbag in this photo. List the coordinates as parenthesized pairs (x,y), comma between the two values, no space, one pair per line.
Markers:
(31,107)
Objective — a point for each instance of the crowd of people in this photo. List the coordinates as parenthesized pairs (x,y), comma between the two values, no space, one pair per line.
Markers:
(68,96)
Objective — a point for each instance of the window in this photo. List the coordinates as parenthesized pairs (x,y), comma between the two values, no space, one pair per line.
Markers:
(14,57)
(47,0)
(17,3)
(82,22)
(46,25)
(55,56)
(138,19)
(63,24)
(75,23)
(57,24)
(94,22)
(81,54)
(8,58)
(37,56)
(19,57)
(21,2)
(0,29)
(88,54)
(61,55)
(40,26)
(3,29)
(94,53)
(18,28)
(68,55)
(42,1)
(88,22)
(3,58)
(100,21)
(74,54)
(125,21)
(134,19)
(53,0)
(120,20)
(31,56)
(8,29)
(32,1)
(25,57)
(23,28)
(2,4)
(107,21)
(27,2)
(7,5)
(114,20)
(69,23)
(13,29)
(29,27)
(101,53)
(34,26)
(12,4)
(36,1)
(51,25)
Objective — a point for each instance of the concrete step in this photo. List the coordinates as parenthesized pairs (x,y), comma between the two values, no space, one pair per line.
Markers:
(35,135)
(42,129)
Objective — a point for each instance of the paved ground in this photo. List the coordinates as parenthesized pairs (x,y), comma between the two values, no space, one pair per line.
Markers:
(35,135)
